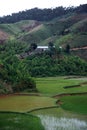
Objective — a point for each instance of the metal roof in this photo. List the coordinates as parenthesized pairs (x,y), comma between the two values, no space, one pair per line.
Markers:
(42,47)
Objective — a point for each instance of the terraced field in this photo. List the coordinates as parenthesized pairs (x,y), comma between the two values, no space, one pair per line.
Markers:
(55,94)
(25,103)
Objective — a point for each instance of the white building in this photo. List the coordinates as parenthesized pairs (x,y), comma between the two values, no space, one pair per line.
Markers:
(42,47)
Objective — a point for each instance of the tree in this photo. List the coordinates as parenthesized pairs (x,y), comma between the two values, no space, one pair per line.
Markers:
(67,49)
(33,46)
(51,48)
(50,45)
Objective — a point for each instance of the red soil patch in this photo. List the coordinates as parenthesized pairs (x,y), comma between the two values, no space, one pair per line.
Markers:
(28,28)
(3,36)
(5,96)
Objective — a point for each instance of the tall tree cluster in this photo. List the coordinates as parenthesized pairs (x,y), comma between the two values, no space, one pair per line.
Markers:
(42,14)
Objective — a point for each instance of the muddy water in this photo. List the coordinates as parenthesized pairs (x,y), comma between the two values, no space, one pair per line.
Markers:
(58,119)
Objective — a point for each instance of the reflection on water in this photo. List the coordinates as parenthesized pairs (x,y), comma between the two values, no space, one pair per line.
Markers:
(62,123)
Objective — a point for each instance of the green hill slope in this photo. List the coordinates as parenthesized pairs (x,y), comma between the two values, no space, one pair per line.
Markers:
(19,28)
(69,29)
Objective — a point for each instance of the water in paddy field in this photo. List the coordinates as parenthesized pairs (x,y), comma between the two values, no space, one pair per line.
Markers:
(59,119)
(62,123)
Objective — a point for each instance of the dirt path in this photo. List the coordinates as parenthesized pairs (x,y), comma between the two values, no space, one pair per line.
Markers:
(79,48)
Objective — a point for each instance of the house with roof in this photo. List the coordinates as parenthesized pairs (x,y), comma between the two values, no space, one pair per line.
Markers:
(44,48)
(40,49)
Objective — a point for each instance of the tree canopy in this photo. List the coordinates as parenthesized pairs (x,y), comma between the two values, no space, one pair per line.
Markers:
(42,14)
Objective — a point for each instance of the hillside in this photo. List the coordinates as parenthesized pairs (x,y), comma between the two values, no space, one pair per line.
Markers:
(17,67)
(63,26)
(69,29)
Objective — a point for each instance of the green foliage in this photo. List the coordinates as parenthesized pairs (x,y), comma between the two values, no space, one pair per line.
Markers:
(42,14)
(12,70)
(44,65)
(35,14)
(67,50)
(33,46)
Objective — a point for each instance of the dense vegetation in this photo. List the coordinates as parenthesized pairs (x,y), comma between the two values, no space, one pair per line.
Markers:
(13,72)
(42,14)
(48,66)
(16,72)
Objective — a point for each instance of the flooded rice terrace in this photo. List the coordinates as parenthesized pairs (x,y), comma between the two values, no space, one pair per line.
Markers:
(59,119)
(54,123)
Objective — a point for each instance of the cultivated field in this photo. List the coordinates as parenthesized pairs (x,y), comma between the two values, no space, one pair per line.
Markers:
(62,93)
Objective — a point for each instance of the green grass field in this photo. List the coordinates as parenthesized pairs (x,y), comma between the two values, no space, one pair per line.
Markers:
(14,121)
(55,85)
(76,104)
